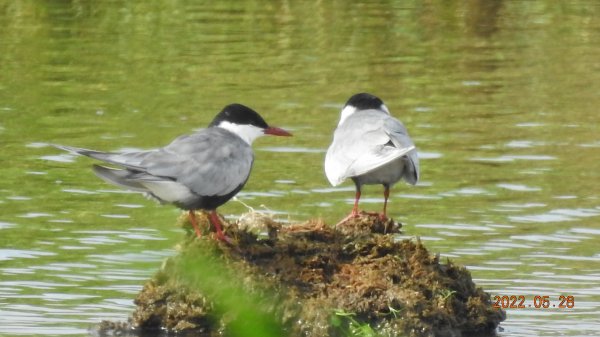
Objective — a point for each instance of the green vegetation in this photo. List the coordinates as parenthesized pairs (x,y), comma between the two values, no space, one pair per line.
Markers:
(347,324)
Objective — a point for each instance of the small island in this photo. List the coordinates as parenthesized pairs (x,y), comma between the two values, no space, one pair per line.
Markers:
(309,279)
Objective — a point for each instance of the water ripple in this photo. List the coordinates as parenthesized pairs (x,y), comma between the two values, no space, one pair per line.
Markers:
(35,215)
(557,215)
(287,149)
(458,226)
(518,187)
(511,158)
(11,254)
(5,225)
(60,158)
(524,143)
(78,191)
(591,231)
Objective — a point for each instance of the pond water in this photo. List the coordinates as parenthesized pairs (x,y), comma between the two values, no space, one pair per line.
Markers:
(500,97)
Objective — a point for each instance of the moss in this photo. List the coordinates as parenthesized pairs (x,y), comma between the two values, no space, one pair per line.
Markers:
(310,279)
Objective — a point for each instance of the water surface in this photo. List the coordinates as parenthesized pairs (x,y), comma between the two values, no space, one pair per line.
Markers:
(501,99)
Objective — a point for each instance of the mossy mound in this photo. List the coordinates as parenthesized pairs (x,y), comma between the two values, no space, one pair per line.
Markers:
(311,280)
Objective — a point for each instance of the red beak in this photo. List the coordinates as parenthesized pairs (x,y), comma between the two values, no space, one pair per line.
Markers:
(276,132)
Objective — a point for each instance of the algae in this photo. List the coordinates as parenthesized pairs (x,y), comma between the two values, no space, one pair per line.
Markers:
(309,279)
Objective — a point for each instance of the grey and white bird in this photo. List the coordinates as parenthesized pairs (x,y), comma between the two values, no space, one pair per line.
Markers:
(370,147)
(202,170)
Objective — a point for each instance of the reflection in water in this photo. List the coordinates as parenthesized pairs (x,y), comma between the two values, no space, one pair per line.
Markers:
(482,17)
(502,98)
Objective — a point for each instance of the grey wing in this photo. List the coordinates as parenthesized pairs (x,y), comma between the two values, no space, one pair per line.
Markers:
(127,159)
(338,159)
(207,163)
(210,162)
(132,176)
(400,139)
(363,143)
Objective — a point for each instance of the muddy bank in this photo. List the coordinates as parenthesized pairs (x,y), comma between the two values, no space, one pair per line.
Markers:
(309,279)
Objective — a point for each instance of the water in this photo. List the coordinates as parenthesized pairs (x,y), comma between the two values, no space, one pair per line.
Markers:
(501,99)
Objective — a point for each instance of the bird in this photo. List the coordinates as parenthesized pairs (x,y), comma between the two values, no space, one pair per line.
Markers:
(370,147)
(198,171)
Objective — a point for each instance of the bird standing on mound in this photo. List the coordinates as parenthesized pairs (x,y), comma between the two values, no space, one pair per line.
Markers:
(202,170)
(370,147)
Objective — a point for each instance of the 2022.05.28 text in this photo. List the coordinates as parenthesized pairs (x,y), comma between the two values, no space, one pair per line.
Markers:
(538,302)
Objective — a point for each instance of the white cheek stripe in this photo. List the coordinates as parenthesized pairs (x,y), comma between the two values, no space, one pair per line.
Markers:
(385,108)
(245,131)
(347,111)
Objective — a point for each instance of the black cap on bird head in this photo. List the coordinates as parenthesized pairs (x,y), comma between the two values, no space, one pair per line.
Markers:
(239,114)
(364,101)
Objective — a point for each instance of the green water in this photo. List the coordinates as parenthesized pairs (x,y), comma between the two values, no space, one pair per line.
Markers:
(500,97)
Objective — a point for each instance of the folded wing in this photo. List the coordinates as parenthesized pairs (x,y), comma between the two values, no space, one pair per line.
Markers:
(212,162)
(365,141)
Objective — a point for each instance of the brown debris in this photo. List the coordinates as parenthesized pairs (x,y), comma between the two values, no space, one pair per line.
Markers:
(308,277)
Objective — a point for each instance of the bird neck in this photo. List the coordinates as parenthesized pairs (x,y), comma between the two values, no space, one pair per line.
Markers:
(349,110)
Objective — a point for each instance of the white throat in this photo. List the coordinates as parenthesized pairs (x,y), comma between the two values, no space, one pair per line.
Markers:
(245,131)
(348,110)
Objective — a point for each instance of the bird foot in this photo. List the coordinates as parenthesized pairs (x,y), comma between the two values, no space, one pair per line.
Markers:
(216,222)
(383,217)
(224,238)
(352,215)
(370,213)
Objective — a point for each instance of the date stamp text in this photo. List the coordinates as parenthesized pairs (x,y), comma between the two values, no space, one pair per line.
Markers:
(538,302)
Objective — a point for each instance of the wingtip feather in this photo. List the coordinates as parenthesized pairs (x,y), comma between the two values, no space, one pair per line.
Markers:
(117,177)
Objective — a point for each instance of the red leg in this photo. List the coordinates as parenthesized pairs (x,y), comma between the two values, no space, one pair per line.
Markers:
(192,216)
(386,195)
(214,219)
(354,212)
